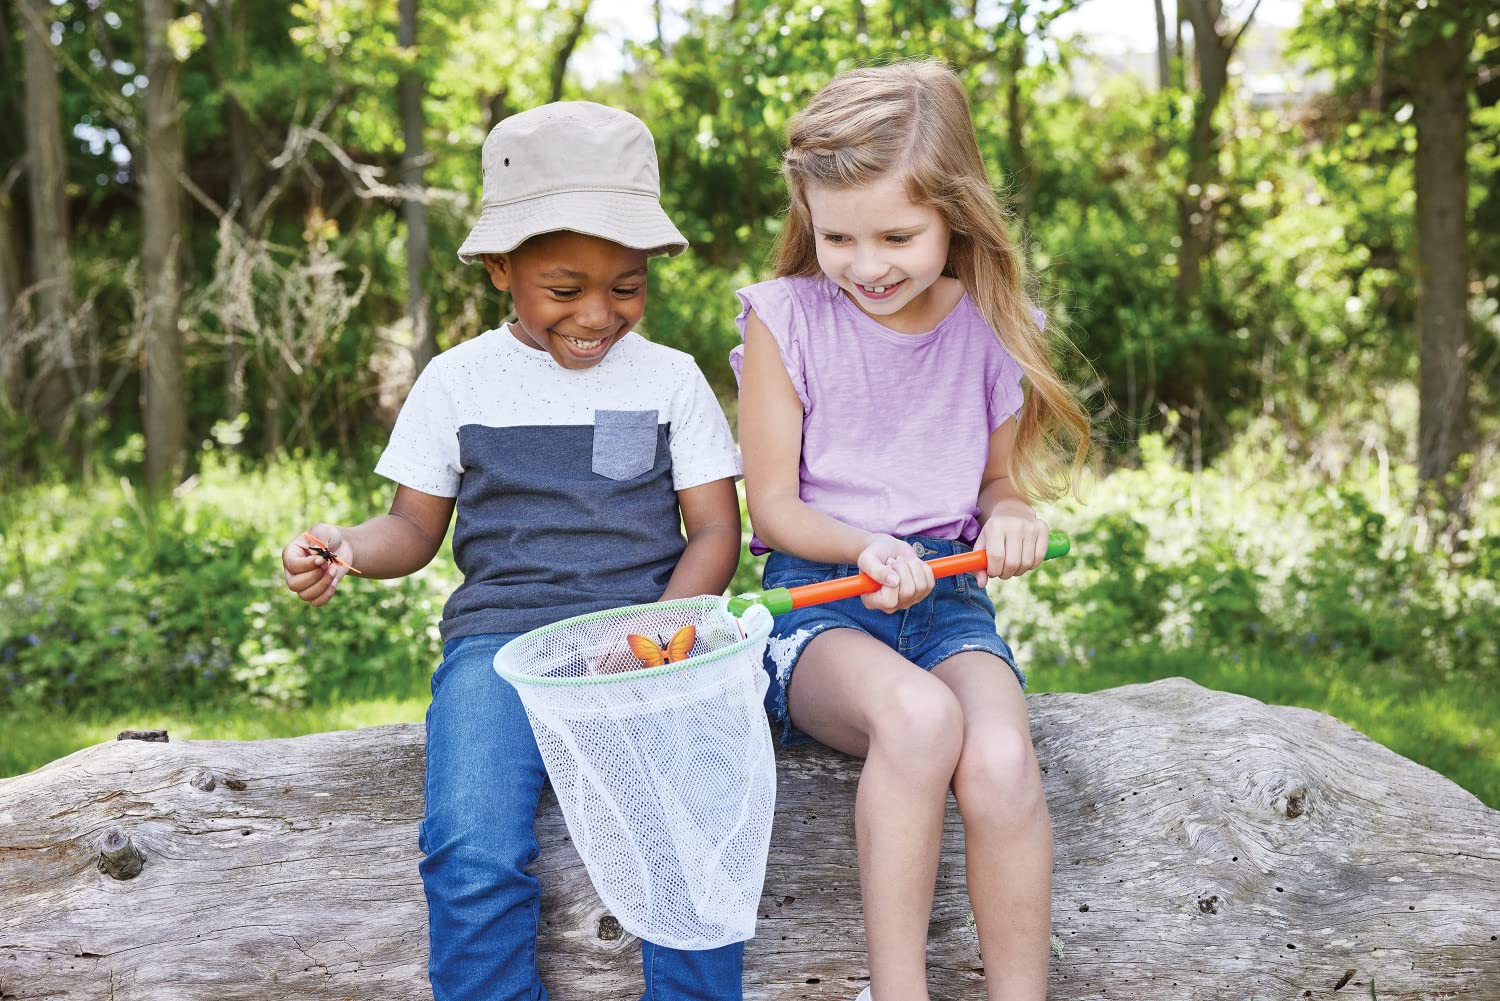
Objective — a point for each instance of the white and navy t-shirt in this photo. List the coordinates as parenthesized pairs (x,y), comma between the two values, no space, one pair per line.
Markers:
(565,480)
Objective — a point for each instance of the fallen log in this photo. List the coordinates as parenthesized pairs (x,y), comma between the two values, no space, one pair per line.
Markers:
(1208,846)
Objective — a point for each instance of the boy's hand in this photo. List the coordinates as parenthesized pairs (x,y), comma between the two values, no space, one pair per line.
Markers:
(896,565)
(1016,543)
(308,575)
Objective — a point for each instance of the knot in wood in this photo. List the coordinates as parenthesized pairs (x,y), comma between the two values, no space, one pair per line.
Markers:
(1296,803)
(609,928)
(151,736)
(118,855)
(205,780)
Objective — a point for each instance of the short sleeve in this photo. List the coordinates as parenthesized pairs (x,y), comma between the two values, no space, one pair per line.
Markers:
(423,451)
(774,303)
(703,450)
(1006,394)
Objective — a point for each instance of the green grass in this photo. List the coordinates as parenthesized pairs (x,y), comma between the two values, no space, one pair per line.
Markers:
(1454,728)
(40,739)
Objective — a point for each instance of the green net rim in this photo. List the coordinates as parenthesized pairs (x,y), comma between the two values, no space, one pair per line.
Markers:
(637,675)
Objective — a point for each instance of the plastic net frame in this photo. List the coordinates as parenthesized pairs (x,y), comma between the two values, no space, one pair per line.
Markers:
(666,775)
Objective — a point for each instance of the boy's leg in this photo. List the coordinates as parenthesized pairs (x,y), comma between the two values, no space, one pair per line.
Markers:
(857,695)
(683,975)
(484,775)
(1007,832)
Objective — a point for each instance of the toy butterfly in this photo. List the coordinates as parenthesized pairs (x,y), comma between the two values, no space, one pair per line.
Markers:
(320,548)
(654,653)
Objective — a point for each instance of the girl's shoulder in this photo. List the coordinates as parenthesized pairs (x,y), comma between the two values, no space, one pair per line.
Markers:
(786,304)
(809,289)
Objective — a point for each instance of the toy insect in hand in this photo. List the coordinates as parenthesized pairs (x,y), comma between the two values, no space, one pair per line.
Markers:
(655,653)
(320,548)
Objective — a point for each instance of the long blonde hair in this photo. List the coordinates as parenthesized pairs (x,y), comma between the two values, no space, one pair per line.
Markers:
(911,120)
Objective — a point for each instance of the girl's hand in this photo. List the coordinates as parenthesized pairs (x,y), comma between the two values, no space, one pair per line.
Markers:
(308,575)
(896,565)
(1016,543)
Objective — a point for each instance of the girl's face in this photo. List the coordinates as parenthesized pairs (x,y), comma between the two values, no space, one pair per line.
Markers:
(884,251)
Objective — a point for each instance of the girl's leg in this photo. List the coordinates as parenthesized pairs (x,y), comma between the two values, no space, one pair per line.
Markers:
(1007,833)
(484,775)
(857,695)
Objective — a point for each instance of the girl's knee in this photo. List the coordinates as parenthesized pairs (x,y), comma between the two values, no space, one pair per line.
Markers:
(998,778)
(920,722)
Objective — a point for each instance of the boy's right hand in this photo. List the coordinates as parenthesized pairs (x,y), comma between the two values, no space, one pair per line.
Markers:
(308,575)
(906,577)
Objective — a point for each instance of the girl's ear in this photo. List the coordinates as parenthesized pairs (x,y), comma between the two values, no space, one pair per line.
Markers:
(501,269)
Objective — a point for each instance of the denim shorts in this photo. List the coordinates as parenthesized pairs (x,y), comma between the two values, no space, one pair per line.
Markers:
(956,617)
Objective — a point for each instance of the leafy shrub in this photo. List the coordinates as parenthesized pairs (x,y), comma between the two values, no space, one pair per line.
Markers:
(112,601)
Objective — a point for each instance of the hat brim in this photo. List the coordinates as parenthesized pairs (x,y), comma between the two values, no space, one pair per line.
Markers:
(631,220)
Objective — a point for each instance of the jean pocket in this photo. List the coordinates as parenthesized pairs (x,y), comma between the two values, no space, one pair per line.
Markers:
(624,443)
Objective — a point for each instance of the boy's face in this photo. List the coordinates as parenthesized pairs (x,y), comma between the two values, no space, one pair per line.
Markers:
(575,295)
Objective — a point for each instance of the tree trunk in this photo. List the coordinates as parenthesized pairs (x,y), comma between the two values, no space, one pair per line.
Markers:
(1015,128)
(225,29)
(1163,50)
(413,161)
(1211,52)
(1208,847)
(1441,111)
(12,358)
(565,48)
(161,204)
(53,362)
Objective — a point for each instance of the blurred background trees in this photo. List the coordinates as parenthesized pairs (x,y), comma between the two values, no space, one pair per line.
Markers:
(227,239)
(1217,251)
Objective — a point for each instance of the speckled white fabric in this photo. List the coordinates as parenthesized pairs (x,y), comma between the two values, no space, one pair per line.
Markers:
(565,480)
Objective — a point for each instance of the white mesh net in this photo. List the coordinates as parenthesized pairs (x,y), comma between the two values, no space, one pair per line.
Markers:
(666,776)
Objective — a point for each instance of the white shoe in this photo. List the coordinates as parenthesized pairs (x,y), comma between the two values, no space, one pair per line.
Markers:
(864,995)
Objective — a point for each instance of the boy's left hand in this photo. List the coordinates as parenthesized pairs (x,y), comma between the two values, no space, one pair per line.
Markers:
(1016,543)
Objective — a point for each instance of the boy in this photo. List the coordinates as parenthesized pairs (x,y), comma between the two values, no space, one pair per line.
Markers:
(568,446)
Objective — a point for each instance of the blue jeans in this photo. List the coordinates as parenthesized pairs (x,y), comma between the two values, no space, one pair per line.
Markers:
(956,617)
(484,776)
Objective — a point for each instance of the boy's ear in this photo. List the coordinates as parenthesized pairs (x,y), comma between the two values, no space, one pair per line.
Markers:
(501,271)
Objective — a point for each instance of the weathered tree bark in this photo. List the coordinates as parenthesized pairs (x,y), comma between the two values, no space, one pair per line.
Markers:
(161,203)
(1208,846)
(52,267)
(1441,81)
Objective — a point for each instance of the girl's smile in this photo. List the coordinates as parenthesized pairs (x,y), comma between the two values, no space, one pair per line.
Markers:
(887,253)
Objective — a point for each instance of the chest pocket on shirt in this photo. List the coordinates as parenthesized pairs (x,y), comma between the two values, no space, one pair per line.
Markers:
(624,443)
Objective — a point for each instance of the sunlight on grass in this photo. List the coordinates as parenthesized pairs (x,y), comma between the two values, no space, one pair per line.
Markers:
(42,740)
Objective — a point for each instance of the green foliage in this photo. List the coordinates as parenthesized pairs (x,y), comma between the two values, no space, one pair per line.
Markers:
(1258,558)
(114,600)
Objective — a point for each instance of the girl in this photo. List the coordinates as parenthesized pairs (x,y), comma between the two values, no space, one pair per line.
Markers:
(883,421)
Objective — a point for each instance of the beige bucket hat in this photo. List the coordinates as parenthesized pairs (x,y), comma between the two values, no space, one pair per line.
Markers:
(575,166)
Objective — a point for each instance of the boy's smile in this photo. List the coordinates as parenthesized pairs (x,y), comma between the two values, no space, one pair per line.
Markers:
(575,295)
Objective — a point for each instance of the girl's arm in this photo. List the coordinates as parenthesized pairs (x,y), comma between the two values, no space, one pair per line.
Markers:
(771,442)
(1009,529)
(711,516)
(390,545)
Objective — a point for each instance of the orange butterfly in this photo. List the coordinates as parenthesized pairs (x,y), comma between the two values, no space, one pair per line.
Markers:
(654,653)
